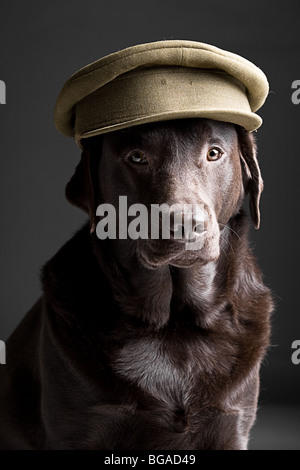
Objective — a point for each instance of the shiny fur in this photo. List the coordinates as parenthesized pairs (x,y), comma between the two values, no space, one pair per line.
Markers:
(141,344)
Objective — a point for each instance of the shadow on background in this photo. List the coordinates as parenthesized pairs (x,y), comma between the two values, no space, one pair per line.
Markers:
(276,428)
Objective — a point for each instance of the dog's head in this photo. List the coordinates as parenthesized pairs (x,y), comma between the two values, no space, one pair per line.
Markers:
(194,170)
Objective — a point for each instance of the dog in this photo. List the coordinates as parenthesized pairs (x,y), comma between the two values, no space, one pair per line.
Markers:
(141,343)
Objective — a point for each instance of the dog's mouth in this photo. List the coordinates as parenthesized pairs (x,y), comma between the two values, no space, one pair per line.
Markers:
(179,253)
(184,247)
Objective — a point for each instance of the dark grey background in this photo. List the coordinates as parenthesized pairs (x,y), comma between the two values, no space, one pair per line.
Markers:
(41,45)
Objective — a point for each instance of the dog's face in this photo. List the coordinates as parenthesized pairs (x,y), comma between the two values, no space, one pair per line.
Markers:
(182,164)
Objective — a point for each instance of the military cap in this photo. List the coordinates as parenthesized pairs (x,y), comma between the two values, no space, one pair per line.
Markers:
(159,81)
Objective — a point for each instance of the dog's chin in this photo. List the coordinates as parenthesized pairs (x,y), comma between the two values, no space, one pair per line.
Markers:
(152,256)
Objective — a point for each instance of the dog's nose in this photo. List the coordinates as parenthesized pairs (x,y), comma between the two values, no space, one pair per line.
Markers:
(188,225)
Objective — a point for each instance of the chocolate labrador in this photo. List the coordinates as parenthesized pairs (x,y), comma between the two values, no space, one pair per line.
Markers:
(139,342)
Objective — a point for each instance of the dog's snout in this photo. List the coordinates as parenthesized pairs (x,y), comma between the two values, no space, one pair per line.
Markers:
(188,225)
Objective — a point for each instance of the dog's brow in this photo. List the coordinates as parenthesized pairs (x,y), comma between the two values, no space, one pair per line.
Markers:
(218,141)
(222,136)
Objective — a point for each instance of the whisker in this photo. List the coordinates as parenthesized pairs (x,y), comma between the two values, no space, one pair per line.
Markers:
(224,252)
(228,242)
(225,225)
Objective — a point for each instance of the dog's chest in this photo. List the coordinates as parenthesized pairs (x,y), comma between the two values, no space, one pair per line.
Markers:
(156,368)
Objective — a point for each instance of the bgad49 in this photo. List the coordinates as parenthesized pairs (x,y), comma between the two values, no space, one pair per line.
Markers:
(172,459)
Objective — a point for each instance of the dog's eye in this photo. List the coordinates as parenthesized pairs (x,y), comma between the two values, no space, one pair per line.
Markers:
(138,157)
(214,154)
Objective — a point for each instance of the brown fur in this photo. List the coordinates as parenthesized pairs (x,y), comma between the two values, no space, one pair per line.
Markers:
(140,344)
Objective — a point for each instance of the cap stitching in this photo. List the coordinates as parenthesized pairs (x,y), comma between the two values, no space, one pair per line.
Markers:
(248,64)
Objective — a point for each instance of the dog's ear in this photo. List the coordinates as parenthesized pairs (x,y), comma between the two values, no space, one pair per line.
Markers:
(252,180)
(81,190)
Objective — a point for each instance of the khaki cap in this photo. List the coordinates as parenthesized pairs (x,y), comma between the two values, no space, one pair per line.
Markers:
(160,81)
